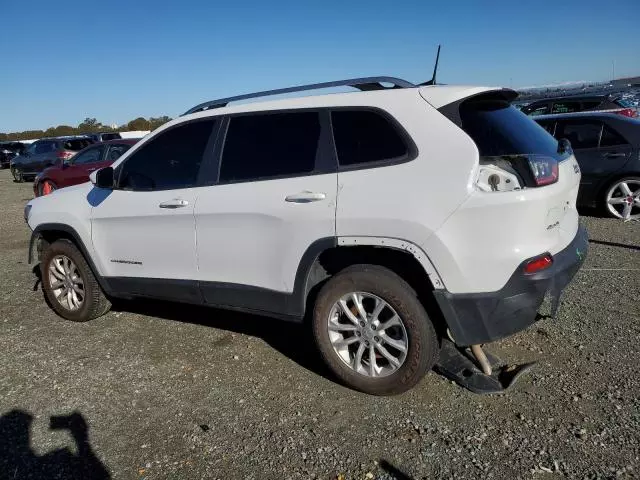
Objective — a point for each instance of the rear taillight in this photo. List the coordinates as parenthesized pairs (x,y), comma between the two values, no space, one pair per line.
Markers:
(544,169)
(628,112)
(538,263)
(64,155)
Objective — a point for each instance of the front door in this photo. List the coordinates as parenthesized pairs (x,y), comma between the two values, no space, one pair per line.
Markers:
(275,197)
(144,229)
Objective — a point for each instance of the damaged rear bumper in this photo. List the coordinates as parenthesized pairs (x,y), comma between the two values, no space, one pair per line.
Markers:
(478,318)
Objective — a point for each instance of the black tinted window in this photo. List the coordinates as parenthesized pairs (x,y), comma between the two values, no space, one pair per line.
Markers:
(565,107)
(363,136)
(611,138)
(499,129)
(76,145)
(270,145)
(110,136)
(589,104)
(45,147)
(116,151)
(580,134)
(548,125)
(170,160)
(536,109)
(92,155)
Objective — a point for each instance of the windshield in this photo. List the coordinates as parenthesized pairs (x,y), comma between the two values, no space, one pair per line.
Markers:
(500,129)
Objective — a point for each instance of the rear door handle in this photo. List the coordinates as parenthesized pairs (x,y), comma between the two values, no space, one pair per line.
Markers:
(175,203)
(305,197)
(614,155)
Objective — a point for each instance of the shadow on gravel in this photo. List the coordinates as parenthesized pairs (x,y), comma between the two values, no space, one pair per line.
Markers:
(18,460)
(395,472)
(293,340)
(614,244)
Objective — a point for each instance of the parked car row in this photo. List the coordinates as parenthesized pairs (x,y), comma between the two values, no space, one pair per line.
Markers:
(579,103)
(9,150)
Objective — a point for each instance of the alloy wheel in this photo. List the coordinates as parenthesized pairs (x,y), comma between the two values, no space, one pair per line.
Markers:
(623,199)
(367,334)
(66,283)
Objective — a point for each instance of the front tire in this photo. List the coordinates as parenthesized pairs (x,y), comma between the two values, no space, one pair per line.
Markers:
(373,332)
(17,175)
(45,187)
(69,285)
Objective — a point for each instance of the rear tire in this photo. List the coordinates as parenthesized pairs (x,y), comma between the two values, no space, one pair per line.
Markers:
(621,191)
(75,296)
(415,332)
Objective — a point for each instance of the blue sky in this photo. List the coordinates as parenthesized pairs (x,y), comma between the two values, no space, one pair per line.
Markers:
(116,60)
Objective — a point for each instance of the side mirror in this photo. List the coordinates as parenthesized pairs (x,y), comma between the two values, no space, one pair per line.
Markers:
(102,178)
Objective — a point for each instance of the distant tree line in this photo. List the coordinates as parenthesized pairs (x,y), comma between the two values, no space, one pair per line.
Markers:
(88,125)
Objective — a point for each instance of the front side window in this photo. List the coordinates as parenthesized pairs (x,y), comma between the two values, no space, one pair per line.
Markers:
(170,160)
(92,155)
(270,145)
(580,134)
(363,136)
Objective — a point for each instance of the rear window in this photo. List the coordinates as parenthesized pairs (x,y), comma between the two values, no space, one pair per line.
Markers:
(625,102)
(500,129)
(75,145)
(536,109)
(565,107)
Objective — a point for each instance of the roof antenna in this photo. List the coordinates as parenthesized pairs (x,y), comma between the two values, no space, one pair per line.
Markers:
(435,69)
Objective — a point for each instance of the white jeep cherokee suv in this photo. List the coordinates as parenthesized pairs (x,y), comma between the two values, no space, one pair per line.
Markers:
(391,218)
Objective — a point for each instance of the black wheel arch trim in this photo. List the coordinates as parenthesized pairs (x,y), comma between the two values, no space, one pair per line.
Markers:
(61,227)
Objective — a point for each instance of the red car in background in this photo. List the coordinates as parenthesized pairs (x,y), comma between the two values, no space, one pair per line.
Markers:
(76,169)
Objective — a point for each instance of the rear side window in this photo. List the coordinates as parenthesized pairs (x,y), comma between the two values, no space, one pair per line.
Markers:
(536,109)
(267,146)
(565,107)
(170,160)
(590,104)
(92,155)
(363,136)
(498,129)
(75,145)
(110,136)
(45,147)
(611,138)
(580,134)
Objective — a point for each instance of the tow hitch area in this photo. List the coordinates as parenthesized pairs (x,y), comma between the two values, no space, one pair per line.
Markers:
(476,370)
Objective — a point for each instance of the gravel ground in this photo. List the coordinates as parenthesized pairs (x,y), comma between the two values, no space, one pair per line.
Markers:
(182,392)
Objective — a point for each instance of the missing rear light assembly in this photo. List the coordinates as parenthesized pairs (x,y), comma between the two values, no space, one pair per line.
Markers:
(497,176)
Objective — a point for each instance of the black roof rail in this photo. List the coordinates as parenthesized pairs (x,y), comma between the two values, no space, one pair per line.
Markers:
(362,84)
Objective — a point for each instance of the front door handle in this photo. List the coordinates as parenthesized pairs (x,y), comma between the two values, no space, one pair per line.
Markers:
(175,203)
(614,155)
(305,197)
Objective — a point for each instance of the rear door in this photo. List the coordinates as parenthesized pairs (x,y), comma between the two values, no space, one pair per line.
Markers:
(599,149)
(274,197)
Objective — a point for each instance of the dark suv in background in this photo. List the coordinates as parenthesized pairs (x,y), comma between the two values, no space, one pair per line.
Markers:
(577,103)
(104,136)
(45,153)
(9,150)
(607,148)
